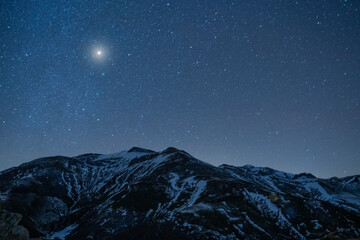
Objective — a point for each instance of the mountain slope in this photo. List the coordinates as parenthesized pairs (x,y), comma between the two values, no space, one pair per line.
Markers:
(142,194)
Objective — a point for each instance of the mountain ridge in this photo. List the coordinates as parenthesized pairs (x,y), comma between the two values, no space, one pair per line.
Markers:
(171,193)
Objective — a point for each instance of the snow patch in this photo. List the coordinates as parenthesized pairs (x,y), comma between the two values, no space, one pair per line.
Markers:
(314,187)
(63,233)
(255,225)
(196,207)
(173,180)
(269,208)
(123,154)
(238,228)
(200,186)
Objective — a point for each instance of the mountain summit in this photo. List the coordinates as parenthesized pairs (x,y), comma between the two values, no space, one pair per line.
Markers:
(143,194)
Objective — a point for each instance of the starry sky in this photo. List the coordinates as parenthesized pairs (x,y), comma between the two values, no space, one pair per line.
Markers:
(267,83)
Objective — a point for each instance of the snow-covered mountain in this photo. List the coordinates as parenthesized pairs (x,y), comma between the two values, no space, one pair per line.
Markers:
(142,194)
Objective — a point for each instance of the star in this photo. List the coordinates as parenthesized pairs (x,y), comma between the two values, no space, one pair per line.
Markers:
(98,52)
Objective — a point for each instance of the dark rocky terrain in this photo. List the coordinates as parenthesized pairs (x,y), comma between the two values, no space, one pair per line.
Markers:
(142,194)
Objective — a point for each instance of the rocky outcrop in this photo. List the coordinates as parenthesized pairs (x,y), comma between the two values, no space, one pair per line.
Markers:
(9,228)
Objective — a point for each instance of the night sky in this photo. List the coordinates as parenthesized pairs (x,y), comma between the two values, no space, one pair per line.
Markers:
(266,83)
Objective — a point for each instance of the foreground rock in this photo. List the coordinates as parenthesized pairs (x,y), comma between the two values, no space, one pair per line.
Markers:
(9,228)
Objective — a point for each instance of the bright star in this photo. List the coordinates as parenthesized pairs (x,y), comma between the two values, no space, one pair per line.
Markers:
(99,53)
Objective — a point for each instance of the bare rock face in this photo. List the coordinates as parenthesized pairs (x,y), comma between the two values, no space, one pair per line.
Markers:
(9,230)
(7,221)
(19,233)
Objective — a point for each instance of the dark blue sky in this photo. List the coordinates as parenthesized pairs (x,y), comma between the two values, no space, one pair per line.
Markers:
(267,83)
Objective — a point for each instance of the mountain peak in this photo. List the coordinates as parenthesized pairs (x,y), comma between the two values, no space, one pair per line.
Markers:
(170,150)
(142,150)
